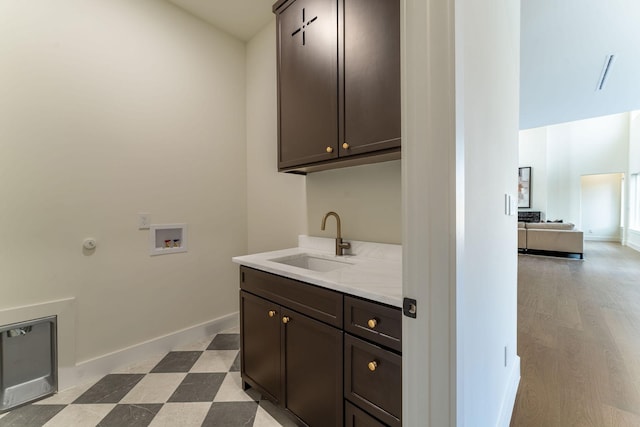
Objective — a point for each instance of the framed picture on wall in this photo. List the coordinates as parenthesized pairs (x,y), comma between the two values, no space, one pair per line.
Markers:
(524,187)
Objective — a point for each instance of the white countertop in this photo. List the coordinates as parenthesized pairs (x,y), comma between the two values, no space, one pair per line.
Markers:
(375,270)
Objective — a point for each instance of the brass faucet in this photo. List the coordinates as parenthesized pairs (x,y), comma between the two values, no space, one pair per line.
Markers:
(340,246)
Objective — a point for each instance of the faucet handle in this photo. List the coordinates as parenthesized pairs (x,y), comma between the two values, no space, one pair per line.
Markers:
(341,246)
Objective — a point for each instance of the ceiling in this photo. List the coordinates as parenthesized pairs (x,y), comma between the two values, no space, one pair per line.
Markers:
(564,45)
(240,18)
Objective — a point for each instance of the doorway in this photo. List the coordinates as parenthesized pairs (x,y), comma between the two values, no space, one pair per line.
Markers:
(601,207)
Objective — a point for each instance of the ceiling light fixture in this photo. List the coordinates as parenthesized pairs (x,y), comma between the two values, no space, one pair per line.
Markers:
(608,62)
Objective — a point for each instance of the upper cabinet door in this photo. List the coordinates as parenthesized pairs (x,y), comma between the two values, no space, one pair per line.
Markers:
(307,84)
(371,76)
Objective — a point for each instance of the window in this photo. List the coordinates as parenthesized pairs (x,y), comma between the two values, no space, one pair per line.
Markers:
(634,202)
(622,202)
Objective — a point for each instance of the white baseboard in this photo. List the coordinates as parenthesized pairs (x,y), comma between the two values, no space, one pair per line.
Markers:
(92,369)
(633,246)
(509,399)
(614,239)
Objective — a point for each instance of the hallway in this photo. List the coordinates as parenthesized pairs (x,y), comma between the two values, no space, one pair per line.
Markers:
(579,339)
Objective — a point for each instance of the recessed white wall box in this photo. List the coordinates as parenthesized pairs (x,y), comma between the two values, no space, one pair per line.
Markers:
(167,239)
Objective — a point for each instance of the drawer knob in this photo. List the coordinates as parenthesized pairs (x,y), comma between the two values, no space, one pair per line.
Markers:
(329,150)
(373,365)
(372,323)
(286,319)
(345,146)
(272,313)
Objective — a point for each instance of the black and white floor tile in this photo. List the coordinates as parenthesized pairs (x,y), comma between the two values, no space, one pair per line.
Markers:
(195,385)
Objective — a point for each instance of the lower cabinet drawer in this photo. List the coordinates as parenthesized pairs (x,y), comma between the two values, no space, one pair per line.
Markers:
(356,417)
(373,379)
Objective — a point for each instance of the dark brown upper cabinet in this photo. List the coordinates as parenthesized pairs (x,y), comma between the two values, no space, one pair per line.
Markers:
(338,83)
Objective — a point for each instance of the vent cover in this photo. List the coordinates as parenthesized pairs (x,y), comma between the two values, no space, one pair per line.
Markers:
(608,63)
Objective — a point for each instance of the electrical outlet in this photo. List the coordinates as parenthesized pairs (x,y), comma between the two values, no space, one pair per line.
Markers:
(144,221)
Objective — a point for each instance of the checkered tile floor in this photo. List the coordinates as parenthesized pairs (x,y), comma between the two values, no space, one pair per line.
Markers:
(196,385)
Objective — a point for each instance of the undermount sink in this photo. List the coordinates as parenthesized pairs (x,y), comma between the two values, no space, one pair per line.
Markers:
(312,262)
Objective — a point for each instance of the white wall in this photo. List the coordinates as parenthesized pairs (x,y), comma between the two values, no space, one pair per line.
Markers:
(367,198)
(601,199)
(588,147)
(489,49)
(109,109)
(276,201)
(533,153)
(585,147)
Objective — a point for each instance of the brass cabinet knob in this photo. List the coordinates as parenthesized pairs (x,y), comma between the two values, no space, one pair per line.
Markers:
(345,146)
(272,313)
(372,323)
(286,319)
(373,365)
(329,149)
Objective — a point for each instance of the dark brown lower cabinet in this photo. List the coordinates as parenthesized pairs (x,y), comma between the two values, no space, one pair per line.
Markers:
(372,363)
(260,342)
(294,360)
(355,417)
(327,358)
(373,379)
(313,374)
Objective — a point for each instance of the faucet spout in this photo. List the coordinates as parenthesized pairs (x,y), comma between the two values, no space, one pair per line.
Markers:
(340,245)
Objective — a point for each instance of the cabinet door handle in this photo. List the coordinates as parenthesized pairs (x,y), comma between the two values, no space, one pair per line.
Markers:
(372,323)
(286,319)
(345,146)
(329,149)
(272,313)
(373,365)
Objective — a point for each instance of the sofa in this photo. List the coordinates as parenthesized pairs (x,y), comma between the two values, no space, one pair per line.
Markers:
(551,237)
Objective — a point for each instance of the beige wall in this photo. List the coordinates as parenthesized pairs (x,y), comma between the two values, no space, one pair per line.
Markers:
(367,198)
(276,201)
(107,109)
(281,206)
(113,108)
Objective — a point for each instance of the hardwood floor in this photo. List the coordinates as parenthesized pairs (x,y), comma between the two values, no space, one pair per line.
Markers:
(579,339)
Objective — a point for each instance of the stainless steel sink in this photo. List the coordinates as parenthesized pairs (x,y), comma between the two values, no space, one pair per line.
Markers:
(312,262)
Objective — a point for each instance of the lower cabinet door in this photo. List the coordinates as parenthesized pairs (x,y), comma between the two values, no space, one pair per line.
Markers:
(261,345)
(313,359)
(356,417)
